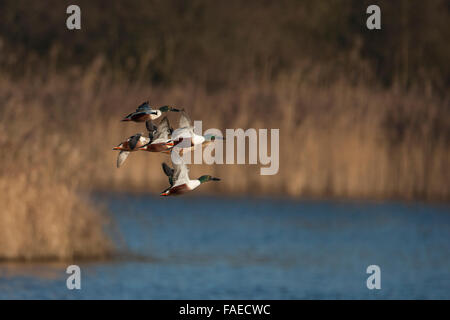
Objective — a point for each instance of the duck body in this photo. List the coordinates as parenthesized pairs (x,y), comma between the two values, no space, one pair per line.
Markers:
(132,144)
(145,112)
(179,180)
(142,116)
(161,138)
(186,149)
(185,134)
(180,189)
(157,147)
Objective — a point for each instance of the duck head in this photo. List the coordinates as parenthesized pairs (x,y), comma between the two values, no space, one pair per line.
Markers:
(168,108)
(207,178)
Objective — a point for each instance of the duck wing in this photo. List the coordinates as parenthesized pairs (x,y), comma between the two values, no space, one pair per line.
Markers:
(145,106)
(163,131)
(123,155)
(134,140)
(185,121)
(181,173)
(169,172)
(185,134)
(151,128)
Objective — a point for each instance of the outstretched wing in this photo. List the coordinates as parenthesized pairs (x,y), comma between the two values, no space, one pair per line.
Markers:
(181,173)
(169,172)
(123,155)
(143,107)
(128,115)
(134,140)
(163,131)
(185,121)
(151,128)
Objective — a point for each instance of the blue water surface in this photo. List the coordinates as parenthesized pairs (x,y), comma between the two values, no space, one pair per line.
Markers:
(239,248)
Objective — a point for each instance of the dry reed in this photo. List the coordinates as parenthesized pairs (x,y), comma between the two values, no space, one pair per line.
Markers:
(42,215)
(336,140)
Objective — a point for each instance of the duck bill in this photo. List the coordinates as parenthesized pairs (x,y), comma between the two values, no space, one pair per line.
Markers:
(117,148)
(174,109)
(126,119)
(164,194)
(215,179)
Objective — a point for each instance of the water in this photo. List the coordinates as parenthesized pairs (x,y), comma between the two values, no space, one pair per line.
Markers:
(226,248)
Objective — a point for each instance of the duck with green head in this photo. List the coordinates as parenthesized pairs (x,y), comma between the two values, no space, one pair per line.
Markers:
(185,139)
(179,180)
(145,112)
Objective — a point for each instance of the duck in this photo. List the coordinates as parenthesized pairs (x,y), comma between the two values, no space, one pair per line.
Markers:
(208,140)
(160,141)
(145,112)
(185,132)
(179,179)
(133,143)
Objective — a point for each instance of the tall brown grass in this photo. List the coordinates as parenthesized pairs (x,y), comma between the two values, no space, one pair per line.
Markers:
(373,121)
(336,140)
(42,215)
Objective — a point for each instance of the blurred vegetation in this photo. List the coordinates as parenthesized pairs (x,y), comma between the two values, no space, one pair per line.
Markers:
(217,42)
(362,114)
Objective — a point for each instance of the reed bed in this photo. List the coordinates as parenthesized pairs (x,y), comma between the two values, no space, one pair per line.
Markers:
(336,140)
(43,214)
(362,114)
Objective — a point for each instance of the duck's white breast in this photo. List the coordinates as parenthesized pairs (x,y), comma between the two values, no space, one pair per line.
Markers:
(156,116)
(192,184)
(144,140)
(196,139)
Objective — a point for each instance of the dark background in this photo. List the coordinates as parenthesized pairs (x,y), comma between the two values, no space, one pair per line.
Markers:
(217,42)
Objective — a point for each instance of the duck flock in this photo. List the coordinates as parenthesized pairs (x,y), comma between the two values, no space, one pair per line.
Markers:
(162,138)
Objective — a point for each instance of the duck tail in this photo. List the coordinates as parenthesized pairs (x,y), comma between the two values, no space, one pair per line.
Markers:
(165,193)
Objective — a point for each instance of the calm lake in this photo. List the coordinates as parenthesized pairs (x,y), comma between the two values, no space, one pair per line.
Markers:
(236,248)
